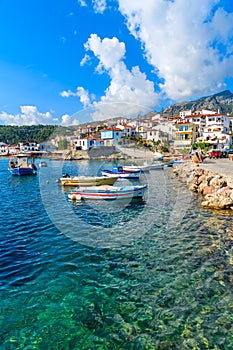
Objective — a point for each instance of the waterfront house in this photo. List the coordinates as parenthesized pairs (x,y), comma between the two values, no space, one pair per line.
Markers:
(28,146)
(86,130)
(86,143)
(14,149)
(218,136)
(164,131)
(111,136)
(127,130)
(203,118)
(47,146)
(142,131)
(212,127)
(185,135)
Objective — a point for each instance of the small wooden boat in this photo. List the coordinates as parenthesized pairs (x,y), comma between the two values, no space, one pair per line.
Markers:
(108,192)
(169,164)
(43,164)
(22,165)
(178,161)
(74,181)
(158,156)
(118,170)
(142,168)
(157,166)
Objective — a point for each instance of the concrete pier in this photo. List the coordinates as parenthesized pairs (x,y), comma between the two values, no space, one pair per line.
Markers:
(222,166)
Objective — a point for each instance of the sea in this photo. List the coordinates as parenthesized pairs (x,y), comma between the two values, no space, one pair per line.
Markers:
(155,273)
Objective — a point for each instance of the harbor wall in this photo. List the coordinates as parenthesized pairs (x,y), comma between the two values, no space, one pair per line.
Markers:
(215,190)
(93,153)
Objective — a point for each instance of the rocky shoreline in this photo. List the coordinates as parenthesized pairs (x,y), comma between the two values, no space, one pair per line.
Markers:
(216,190)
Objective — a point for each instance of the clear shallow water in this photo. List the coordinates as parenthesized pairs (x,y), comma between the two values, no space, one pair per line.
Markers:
(155,274)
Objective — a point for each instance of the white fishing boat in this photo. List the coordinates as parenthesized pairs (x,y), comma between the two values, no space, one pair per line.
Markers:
(108,192)
(156,166)
(43,164)
(143,168)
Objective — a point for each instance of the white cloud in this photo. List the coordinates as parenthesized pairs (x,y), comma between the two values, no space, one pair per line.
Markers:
(184,41)
(86,59)
(29,116)
(99,5)
(108,51)
(126,87)
(68,120)
(82,3)
(84,96)
(81,93)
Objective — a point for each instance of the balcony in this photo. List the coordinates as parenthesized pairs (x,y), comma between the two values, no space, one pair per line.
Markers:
(182,143)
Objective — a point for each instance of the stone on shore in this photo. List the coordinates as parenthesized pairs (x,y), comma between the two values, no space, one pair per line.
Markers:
(216,190)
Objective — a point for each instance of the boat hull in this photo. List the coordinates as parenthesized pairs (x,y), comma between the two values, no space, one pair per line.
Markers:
(108,193)
(131,168)
(43,164)
(88,181)
(22,171)
(123,174)
(156,166)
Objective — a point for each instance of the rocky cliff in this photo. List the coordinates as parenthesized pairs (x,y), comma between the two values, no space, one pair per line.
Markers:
(222,102)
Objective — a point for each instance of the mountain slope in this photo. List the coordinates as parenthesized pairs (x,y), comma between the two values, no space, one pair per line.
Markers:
(222,102)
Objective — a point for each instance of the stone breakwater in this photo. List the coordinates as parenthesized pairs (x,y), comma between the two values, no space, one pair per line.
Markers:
(216,190)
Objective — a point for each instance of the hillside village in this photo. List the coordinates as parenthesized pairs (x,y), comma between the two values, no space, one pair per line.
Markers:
(173,134)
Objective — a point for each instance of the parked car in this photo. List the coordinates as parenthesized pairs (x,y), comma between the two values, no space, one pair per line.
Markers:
(215,153)
(229,151)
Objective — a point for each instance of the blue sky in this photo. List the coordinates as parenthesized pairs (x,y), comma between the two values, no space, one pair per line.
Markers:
(67,62)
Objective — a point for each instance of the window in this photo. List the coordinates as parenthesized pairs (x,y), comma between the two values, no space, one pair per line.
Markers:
(181,128)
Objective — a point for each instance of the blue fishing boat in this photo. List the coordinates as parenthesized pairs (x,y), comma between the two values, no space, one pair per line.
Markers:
(119,170)
(22,164)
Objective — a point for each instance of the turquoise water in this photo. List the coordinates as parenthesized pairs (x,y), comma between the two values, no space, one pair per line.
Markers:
(151,274)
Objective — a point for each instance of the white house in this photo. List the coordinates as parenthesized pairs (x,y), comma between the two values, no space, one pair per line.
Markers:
(127,130)
(217,135)
(4,148)
(86,143)
(213,127)
(185,113)
(28,146)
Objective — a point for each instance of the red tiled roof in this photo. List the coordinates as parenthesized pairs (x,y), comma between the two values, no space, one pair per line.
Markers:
(186,123)
(114,129)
